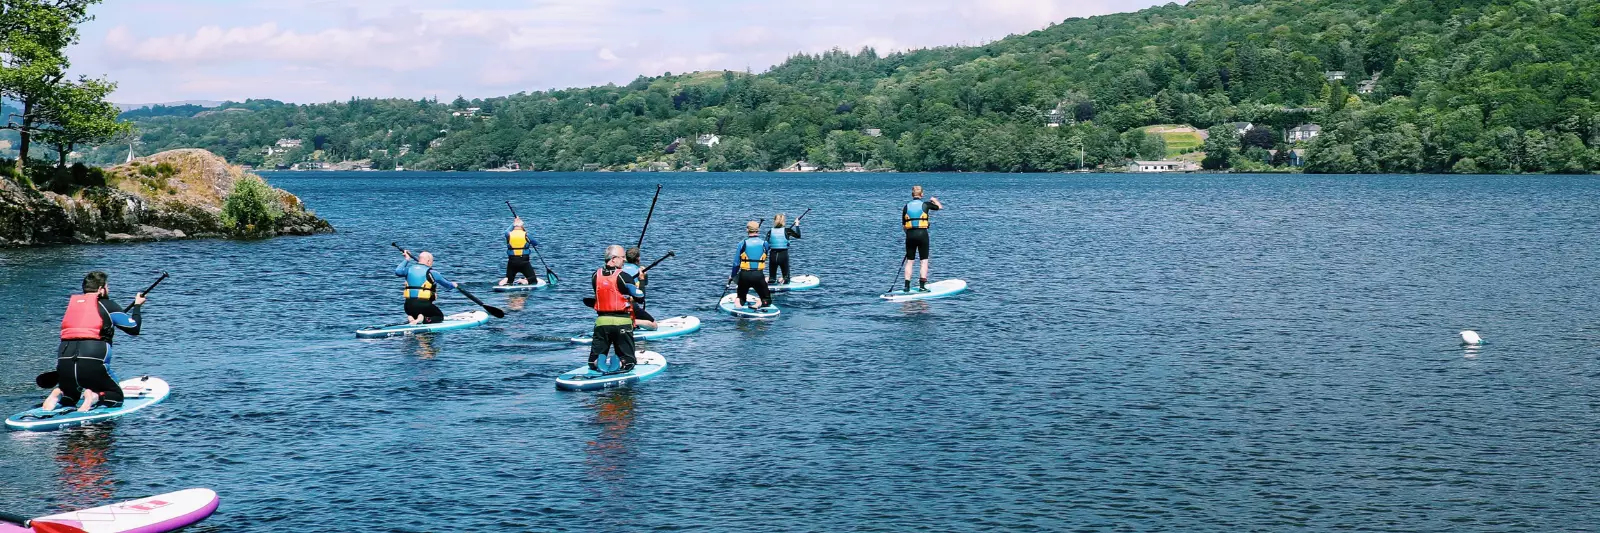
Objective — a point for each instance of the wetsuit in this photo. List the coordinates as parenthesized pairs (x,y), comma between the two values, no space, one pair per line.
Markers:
(750,273)
(778,241)
(422,286)
(83,360)
(914,218)
(632,270)
(613,328)
(519,248)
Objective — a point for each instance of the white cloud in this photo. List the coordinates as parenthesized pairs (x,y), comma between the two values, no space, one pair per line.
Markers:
(410,48)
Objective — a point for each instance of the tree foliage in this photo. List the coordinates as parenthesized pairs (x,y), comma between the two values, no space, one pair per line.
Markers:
(1460,85)
(251,207)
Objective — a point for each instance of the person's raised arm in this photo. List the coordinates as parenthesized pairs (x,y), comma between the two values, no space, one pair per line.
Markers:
(936,203)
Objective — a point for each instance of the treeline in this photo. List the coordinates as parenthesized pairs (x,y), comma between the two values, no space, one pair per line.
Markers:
(1397,86)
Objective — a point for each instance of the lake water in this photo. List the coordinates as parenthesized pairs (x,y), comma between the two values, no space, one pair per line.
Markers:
(1138,353)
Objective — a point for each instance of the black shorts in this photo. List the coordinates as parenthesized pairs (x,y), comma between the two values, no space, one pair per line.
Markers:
(916,243)
(80,365)
(779,261)
(520,265)
(431,313)
(754,279)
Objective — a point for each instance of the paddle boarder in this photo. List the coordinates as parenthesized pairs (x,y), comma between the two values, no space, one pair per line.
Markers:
(83,360)
(631,267)
(778,241)
(613,328)
(422,286)
(751,273)
(519,251)
(914,217)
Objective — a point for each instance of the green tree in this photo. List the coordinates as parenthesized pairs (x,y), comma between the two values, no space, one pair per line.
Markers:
(79,113)
(34,35)
(251,207)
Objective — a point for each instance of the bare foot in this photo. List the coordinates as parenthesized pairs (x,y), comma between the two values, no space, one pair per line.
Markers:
(414,320)
(503,282)
(89,399)
(51,402)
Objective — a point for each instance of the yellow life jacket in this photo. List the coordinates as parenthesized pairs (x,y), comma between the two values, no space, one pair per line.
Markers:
(517,243)
(914,215)
(759,263)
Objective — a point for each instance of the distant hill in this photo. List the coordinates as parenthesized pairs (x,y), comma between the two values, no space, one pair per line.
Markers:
(200,103)
(1396,86)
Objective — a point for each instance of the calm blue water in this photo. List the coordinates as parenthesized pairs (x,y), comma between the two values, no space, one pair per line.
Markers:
(1186,353)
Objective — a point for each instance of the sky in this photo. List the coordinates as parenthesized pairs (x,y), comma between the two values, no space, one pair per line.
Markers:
(307,51)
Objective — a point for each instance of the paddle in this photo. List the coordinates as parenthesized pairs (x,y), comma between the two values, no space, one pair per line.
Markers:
(547,271)
(49,380)
(658,261)
(18,520)
(899,272)
(492,310)
(647,217)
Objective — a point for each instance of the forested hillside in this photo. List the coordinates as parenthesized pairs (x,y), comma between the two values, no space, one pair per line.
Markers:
(1427,86)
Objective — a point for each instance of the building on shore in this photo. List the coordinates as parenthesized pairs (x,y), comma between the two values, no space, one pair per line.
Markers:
(1304,132)
(799,166)
(1162,166)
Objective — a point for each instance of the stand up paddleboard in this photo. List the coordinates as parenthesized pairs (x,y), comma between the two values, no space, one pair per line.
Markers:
(156,514)
(517,287)
(938,289)
(730,305)
(648,365)
(677,326)
(469,319)
(797,283)
(138,393)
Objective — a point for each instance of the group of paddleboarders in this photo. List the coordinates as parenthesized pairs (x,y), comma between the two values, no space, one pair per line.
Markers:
(83,360)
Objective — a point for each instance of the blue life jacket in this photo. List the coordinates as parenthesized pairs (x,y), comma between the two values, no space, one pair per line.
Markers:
(419,284)
(631,269)
(753,254)
(778,239)
(914,216)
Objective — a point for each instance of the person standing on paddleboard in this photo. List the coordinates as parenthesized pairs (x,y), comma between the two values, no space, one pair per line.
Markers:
(914,217)
(422,286)
(613,328)
(751,273)
(631,267)
(519,249)
(83,361)
(778,241)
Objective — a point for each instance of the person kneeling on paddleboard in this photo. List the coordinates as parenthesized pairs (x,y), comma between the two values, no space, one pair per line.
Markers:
(83,362)
(519,246)
(778,241)
(613,328)
(751,271)
(914,217)
(422,286)
(631,267)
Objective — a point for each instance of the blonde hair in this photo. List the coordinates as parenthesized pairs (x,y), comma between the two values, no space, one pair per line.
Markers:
(916,191)
(752,226)
(778,221)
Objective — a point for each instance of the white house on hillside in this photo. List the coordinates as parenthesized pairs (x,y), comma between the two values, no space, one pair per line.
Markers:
(708,140)
(1162,166)
(1304,132)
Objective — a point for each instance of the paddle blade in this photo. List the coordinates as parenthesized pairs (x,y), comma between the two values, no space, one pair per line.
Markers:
(55,527)
(588,302)
(494,311)
(47,380)
(551,275)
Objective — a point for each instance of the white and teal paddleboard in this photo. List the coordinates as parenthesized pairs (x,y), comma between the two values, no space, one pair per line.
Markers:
(138,393)
(649,364)
(797,283)
(518,287)
(938,289)
(469,319)
(677,326)
(730,305)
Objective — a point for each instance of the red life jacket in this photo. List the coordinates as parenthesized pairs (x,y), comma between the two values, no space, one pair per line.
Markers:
(608,293)
(82,321)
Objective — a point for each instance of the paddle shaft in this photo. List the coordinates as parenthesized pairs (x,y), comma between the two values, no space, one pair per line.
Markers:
(648,216)
(15,519)
(153,285)
(513,209)
(657,262)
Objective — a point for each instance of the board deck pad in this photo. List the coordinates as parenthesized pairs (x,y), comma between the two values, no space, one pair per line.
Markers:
(677,326)
(797,283)
(938,289)
(648,365)
(541,285)
(138,393)
(462,320)
(730,305)
(155,514)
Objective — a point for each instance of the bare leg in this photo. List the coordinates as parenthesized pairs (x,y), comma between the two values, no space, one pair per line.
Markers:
(503,281)
(54,399)
(89,399)
(924,270)
(909,263)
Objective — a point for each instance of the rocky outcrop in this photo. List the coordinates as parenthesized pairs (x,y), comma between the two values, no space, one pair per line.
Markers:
(171,195)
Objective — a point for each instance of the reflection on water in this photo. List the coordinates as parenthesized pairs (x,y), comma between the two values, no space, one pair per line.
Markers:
(609,452)
(421,346)
(86,480)
(516,302)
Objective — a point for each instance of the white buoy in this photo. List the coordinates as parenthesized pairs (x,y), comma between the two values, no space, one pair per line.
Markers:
(1470,337)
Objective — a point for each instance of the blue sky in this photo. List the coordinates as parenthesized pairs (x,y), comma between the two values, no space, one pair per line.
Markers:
(323,50)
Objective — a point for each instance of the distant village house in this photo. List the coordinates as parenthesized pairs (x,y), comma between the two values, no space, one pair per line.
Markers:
(1162,166)
(1304,132)
(1334,75)
(1241,128)
(708,140)
(872,132)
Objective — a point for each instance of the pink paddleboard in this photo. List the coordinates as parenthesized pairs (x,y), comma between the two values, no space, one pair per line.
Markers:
(156,514)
